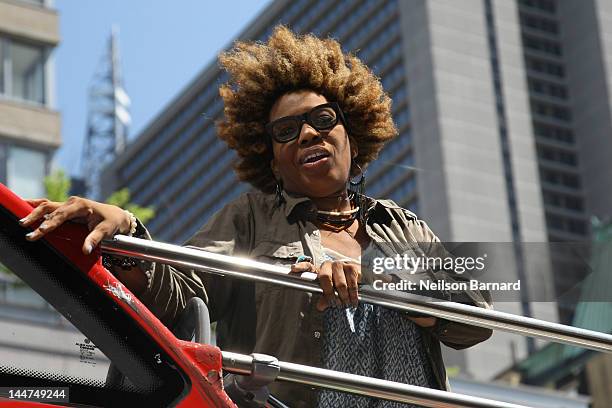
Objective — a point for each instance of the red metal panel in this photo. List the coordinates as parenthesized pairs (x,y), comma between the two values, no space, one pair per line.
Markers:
(202,363)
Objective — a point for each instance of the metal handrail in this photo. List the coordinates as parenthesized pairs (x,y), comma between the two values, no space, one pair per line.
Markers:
(367,386)
(254,271)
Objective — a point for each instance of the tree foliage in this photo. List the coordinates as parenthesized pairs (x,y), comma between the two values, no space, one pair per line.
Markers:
(121,198)
(57,186)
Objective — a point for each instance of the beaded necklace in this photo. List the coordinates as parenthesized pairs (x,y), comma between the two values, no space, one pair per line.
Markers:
(337,221)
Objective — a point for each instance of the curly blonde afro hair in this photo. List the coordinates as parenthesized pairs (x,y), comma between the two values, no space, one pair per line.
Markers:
(260,73)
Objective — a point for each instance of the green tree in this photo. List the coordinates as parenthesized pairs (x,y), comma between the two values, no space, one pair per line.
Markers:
(121,199)
(57,186)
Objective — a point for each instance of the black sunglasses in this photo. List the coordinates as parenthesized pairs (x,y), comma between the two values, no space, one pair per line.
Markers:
(322,117)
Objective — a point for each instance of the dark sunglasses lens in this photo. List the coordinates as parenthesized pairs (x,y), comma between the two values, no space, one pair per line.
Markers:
(285,130)
(323,118)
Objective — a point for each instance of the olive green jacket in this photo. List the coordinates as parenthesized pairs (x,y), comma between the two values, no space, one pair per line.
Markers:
(269,319)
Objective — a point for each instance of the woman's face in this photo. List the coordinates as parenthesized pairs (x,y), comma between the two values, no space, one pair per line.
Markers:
(321,176)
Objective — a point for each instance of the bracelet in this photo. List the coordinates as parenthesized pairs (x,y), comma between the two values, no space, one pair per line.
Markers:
(137,230)
(126,263)
(133,223)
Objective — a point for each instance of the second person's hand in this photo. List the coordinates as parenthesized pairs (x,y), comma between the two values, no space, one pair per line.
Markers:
(103,220)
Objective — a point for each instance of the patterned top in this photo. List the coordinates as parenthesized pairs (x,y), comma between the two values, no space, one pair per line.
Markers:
(373,341)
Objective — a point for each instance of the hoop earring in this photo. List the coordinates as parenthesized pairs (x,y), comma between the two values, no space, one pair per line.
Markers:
(278,200)
(357,188)
(360,184)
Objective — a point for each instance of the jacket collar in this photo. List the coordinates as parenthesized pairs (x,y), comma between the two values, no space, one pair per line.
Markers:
(292,203)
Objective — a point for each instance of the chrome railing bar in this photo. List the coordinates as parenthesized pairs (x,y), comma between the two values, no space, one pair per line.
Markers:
(254,271)
(361,385)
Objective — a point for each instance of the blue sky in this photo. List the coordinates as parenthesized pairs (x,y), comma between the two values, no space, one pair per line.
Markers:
(163,45)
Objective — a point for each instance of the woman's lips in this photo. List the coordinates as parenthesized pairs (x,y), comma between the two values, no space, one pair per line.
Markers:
(317,164)
(312,154)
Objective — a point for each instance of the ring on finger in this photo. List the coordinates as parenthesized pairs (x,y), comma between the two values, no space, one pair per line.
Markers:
(48,216)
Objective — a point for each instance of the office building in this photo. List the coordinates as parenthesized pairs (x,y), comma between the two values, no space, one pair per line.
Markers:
(29,123)
(503,111)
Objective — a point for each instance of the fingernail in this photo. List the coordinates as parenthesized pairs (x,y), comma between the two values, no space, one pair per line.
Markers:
(30,234)
(21,221)
(88,249)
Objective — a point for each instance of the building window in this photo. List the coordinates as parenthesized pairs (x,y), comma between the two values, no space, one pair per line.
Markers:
(565,201)
(553,111)
(552,132)
(571,225)
(547,88)
(544,5)
(538,23)
(542,45)
(554,222)
(560,178)
(37,2)
(568,158)
(545,67)
(25,171)
(556,155)
(22,70)
(570,180)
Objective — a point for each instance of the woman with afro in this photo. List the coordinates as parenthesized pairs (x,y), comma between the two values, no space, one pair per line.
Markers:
(305,120)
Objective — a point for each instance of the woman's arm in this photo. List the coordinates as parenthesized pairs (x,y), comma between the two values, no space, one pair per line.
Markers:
(411,235)
(229,232)
(459,335)
(453,334)
(164,289)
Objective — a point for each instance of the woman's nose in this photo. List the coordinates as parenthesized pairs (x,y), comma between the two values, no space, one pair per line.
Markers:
(308,134)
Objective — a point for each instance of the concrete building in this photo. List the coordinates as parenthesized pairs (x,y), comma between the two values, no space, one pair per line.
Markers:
(29,123)
(497,141)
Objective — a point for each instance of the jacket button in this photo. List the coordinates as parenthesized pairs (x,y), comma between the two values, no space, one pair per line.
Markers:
(317,335)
